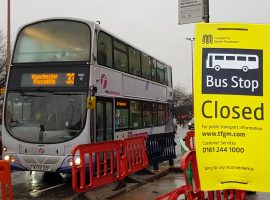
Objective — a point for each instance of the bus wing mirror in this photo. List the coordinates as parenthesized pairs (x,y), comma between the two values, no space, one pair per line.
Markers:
(93,89)
(91,103)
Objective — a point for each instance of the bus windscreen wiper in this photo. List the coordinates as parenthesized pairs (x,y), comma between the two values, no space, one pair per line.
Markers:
(45,90)
(22,93)
(59,93)
(68,93)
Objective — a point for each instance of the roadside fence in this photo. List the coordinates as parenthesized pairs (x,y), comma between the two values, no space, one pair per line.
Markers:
(161,147)
(101,163)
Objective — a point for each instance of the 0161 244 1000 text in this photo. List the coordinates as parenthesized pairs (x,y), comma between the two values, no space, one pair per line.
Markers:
(223,149)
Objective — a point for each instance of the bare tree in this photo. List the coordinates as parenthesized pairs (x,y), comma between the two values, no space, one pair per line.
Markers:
(182,100)
(180,96)
(3,65)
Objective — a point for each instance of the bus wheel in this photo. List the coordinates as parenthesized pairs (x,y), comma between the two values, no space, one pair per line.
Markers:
(217,67)
(245,69)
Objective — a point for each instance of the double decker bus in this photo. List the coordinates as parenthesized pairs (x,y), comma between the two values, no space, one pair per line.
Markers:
(57,68)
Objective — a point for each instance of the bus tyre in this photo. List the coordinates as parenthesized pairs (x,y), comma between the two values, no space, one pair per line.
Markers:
(217,67)
(245,69)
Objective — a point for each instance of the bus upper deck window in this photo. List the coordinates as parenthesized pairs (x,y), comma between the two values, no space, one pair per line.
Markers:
(104,49)
(53,41)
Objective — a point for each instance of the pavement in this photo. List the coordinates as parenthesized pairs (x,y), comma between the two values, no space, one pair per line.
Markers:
(149,184)
(136,181)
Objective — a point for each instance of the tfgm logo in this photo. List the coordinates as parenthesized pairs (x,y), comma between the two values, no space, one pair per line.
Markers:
(232,71)
(207,39)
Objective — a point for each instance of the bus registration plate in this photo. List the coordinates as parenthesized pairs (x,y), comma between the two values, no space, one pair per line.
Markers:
(40,168)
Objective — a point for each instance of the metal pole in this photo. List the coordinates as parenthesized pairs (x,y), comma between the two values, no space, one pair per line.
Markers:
(191,45)
(8,34)
(206,11)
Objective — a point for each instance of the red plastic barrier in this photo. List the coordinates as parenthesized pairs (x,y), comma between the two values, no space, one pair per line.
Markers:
(5,180)
(193,190)
(135,154)
(106,162)
(173,195)
(103,164)
(190,140)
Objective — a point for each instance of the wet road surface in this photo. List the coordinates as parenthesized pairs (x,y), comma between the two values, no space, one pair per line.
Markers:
(39,185)
(154,189)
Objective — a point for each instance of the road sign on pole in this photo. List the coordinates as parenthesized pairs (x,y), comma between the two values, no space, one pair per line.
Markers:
(190,11)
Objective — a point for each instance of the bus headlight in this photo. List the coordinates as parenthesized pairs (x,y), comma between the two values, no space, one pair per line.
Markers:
(77,161)
(12,159)
(6,157)
(70,162)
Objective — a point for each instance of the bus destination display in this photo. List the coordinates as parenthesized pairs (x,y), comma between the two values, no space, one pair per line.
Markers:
(48,79)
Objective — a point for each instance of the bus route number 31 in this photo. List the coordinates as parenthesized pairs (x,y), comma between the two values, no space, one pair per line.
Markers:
(70,78)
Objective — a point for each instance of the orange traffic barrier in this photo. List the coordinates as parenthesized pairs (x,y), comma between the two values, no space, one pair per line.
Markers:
(192,191)
(173,195)
(135,154)
(101,163)
(190,140)
(5,180)
(98,162)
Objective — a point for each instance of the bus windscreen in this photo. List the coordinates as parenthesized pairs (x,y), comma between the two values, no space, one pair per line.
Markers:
(53,41)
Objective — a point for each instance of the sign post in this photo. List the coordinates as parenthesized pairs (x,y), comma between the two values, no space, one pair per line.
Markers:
(232,103)
(190,11)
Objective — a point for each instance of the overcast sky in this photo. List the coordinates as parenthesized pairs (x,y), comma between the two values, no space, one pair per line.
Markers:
(151,25)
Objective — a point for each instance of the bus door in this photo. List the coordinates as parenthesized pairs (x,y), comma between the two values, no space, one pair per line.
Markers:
(210,61)
(104,119)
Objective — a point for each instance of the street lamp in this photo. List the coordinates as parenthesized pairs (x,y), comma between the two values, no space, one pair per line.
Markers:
(8,34)
(191,45)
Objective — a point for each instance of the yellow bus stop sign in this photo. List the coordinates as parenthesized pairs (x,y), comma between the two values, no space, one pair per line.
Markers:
(91,103)
(232,106)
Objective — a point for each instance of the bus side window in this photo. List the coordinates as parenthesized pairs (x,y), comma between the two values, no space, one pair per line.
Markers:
(135,114)
(120,56)
(147,114)
(155,114)
(160,73)
(104,50)
(134,61)
(121,114)
(146,66)
(168,76)
(153,68)
(161,114)
(102,56)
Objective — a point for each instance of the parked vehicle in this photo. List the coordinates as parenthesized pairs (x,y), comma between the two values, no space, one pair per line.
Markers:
(191,124)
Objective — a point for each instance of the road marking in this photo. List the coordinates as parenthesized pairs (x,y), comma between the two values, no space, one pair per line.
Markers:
(34,193)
